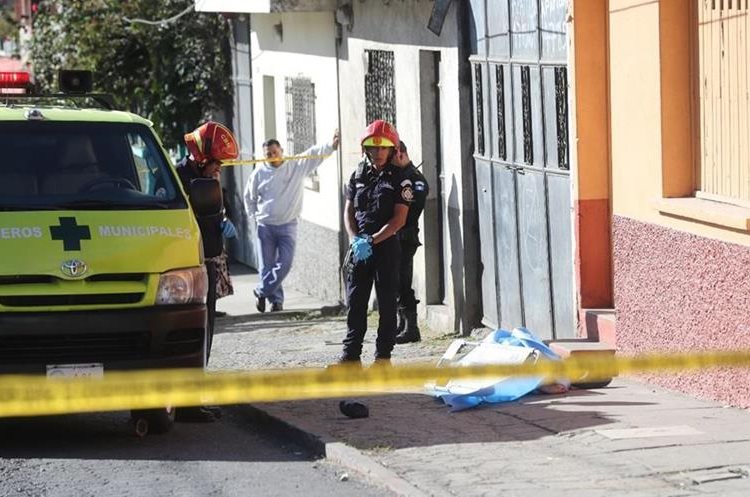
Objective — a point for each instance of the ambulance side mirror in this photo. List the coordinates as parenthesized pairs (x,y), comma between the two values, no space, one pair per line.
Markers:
(205,197)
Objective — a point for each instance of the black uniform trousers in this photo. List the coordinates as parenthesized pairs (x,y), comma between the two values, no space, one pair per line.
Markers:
(382,268)
(406,298)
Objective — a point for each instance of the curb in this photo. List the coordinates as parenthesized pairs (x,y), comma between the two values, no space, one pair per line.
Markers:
(339,453)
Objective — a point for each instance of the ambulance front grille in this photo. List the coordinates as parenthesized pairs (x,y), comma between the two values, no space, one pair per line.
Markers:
(117,277)
(68,300)
(26,279)
(74,348)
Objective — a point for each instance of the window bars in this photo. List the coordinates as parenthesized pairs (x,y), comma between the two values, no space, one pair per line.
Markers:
(300,114)
(380,91)
(479,109)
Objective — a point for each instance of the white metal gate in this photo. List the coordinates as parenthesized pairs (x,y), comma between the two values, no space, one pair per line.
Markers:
(519,70)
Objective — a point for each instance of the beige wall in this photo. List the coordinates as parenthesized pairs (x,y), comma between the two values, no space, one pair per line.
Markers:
(306,49)
(649,147)
(635,106)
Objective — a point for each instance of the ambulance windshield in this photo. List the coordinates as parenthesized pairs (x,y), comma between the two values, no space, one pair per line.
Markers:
(48,165)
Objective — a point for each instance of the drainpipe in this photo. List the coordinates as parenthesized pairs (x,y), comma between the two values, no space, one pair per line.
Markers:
(343,237)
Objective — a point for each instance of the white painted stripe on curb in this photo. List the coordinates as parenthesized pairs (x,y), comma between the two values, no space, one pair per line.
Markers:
(353,458)
(653,431)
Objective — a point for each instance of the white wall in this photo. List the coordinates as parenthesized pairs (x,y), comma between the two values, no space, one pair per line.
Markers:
(406,36)
(305,49)
(308,48)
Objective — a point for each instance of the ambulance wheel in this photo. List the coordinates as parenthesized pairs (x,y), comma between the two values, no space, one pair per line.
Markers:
(153,421)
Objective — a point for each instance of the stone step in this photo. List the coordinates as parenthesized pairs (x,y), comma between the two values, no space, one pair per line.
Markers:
(598,325)
(579,347)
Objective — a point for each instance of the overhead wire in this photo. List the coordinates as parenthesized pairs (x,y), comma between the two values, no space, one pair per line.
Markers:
(160,22)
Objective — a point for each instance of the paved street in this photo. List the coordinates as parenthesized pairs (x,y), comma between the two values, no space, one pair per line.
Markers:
(628,439)
(99,455)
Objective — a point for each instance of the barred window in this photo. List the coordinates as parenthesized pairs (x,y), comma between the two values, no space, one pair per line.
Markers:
(528,134)
(500,104)
(300,120)
(300,114)
(479,108)
(380,91)
(561,106)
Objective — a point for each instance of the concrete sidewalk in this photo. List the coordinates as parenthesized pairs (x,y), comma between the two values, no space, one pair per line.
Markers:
(627,439)
(242,303)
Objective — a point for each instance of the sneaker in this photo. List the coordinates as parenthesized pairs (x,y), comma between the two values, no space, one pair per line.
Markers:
(277,306)
(260,302)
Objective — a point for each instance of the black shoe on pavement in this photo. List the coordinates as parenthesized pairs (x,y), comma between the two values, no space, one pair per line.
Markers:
(260,302)
(220,314)
(277,306)
(197,414)
(354,410)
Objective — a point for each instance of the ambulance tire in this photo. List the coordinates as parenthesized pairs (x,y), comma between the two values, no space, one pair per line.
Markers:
(592,385)
(153,421)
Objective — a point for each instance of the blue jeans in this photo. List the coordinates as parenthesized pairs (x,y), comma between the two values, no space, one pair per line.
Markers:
(277,245)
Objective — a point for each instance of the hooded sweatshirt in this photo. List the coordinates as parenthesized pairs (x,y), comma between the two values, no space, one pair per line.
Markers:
(273,195)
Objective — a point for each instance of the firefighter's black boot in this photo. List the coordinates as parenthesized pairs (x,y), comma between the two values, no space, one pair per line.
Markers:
(400,321)
(411,330)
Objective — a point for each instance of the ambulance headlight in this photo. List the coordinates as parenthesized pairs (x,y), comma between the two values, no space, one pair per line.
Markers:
(184,286)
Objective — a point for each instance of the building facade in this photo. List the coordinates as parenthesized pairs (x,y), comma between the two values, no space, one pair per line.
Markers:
(317,66)
(680,137)
(588,159)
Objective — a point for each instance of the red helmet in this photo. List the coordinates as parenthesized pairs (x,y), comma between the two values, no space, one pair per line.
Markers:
(380,133)
(211,141)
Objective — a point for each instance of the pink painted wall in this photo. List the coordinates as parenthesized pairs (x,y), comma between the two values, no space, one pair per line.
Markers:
(677,292)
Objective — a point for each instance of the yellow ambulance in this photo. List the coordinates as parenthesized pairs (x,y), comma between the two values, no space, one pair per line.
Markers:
(101,265)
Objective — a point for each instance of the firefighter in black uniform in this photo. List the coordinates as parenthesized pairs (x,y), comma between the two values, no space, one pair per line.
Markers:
(377,203)
(408,329)
(207,145)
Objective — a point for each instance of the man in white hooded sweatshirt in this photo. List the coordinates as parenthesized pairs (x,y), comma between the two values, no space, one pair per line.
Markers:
(273,195)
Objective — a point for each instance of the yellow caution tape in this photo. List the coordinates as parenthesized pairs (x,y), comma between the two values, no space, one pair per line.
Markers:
(248,162)
(35,395)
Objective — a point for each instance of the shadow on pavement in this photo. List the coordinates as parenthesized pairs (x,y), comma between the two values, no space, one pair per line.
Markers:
(277,320)
(99,436)
(412,420)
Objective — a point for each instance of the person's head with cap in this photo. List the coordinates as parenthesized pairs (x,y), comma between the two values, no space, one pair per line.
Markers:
(379,142)
(402,158)
(209,145)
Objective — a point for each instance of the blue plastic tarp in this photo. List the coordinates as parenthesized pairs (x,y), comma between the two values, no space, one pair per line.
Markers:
(499,347)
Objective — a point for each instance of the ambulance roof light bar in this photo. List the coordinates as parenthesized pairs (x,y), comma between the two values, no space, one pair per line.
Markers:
(14,82)
(74,85)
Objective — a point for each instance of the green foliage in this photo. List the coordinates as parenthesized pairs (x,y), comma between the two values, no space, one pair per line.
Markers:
(8,25)
(176,74)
